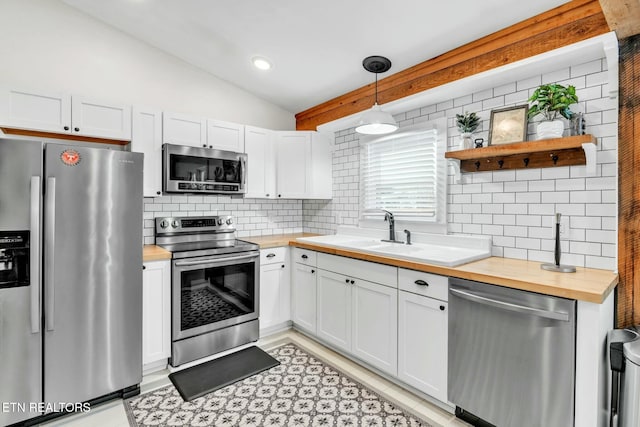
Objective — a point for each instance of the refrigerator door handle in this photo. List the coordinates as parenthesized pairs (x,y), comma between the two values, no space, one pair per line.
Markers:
(50,221)
(34,255)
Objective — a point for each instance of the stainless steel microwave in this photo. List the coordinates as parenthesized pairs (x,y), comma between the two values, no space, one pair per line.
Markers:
(203,170)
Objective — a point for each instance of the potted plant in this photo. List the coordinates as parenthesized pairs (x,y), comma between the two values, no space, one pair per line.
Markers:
(552,101)
(467,123)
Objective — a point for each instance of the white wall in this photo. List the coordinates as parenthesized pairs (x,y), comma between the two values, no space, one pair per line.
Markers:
(514,207)
(48,45)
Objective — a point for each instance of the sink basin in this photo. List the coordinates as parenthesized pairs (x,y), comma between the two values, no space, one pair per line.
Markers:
(396,248)
(449,251)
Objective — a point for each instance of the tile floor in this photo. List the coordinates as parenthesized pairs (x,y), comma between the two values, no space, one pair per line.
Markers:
(112,414)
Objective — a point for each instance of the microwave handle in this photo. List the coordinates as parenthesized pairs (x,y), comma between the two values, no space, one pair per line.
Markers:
(243,166)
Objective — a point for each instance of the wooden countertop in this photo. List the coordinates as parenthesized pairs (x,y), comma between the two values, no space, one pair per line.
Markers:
(585,284)
(276,240)
(154,253)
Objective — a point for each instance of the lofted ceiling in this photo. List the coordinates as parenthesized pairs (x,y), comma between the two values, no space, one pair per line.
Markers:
(316,47)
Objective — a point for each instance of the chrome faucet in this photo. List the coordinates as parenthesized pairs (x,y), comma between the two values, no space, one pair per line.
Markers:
(388,216)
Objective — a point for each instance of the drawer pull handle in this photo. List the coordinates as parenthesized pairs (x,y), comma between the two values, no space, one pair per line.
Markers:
(313,271)
(353,281)
(421,282)
(271,255)
(442,307)
(304,257)
(282,265)
(346,280)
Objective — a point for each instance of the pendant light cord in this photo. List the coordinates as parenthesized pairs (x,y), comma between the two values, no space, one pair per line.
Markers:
(376,88)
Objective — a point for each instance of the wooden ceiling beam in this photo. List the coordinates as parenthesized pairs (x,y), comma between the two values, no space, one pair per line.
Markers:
(572,22)
(623,16)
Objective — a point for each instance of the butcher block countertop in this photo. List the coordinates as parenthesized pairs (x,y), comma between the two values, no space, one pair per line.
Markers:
(154,253)
(275,241)
(585,284)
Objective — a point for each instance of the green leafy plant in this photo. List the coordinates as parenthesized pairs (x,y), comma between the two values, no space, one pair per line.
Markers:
(467,122)
(551,100)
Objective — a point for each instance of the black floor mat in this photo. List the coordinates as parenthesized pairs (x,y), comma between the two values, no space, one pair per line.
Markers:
(210,376)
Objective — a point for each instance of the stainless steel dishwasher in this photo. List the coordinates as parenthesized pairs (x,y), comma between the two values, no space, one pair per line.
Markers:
(511,355)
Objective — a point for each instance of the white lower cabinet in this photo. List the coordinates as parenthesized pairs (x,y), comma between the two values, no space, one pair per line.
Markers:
(374,312)
(334,309)
(395,321)
(274,288)
(422,343)
(303,287)
(156,312)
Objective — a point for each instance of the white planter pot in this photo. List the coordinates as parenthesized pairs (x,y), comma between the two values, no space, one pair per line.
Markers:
(550,129)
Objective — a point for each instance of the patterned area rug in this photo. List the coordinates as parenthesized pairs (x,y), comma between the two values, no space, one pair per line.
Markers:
(302,391)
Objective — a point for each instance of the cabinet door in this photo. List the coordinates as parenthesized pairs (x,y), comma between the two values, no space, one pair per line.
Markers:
(183,129)
(271,290)
(100,120)
(334,309)
(147,138)
(422,344)
(47,112)
(156,311)
(293,157)
(225,136)
(303,289)
(375,325)
(261,163)
(321,167)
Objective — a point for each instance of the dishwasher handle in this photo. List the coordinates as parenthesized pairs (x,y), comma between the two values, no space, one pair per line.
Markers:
(470,296)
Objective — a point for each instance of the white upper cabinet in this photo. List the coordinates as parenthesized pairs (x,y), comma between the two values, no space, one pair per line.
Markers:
(147,139)
(100,120)
(303,165)
(183,129)
(225,136)
(261,163)
(293,160)
(65,114)
(47,112)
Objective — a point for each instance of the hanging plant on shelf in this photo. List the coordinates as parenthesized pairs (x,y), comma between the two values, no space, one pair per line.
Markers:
(552,101)
(467,123)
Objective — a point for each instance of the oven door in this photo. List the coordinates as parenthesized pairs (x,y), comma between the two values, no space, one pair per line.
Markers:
(214,292)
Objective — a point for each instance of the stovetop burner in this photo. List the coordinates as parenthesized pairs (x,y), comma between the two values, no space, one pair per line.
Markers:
(187,237)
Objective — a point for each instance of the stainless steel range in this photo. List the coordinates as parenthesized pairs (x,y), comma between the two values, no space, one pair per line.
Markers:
(215,286)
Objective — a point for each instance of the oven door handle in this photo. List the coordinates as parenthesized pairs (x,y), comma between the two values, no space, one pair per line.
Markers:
(214,260)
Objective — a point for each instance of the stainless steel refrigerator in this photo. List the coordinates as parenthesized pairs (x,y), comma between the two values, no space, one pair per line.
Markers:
(71,328)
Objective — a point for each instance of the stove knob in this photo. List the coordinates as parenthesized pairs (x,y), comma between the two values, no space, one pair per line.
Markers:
(175,223)
(164,223)
(220,221)
(230,221)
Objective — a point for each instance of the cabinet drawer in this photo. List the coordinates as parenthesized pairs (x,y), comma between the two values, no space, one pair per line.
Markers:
(273,255)
(430,285)
(304,256)
(377,273)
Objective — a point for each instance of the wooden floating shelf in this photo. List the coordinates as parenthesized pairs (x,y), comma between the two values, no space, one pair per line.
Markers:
(544,153)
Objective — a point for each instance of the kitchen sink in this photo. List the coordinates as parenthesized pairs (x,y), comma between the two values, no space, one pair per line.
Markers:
(443,250)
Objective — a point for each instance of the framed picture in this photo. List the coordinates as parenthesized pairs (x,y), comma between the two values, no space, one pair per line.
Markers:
(508,125)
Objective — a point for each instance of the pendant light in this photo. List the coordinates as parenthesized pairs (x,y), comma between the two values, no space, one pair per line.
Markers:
(375,121)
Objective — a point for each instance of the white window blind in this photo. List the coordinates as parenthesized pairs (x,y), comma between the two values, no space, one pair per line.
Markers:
(400,173)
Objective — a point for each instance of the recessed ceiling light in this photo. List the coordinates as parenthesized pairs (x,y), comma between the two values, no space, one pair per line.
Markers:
(261,63)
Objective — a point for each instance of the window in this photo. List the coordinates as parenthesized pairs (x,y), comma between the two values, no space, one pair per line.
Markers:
(405,174)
